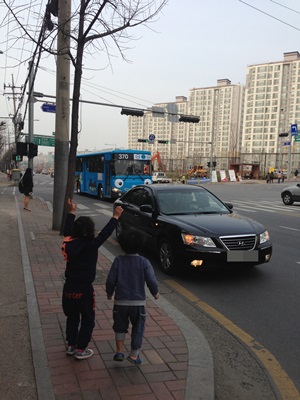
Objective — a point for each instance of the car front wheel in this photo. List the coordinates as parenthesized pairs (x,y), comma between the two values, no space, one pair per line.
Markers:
(287,198)
(166,257)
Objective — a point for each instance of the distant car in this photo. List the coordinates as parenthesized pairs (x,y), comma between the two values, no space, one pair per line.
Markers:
(187,225)
(290,194)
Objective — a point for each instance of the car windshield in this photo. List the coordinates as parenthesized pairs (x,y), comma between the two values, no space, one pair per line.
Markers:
(189,202)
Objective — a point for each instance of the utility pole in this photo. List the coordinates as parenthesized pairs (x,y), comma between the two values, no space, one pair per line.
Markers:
(62,112)
(30,111)
(14,97)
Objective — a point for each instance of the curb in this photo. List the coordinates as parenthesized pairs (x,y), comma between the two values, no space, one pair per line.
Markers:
(200,374)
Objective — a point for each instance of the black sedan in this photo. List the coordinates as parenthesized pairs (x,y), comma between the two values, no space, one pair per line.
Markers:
(188,225)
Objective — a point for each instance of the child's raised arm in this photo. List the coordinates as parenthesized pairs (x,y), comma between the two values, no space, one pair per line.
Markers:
(72,206)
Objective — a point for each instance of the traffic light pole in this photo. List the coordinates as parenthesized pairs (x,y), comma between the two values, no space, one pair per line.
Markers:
(288,174)
(211,159)
(30,111)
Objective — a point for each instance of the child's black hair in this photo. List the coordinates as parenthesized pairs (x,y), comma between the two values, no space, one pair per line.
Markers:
(83,227)
(131,242)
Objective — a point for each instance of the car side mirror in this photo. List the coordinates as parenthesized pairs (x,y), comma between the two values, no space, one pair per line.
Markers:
(229,205)
(146,208)
(298,184)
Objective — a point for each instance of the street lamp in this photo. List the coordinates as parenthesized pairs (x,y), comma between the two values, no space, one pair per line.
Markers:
(111,144)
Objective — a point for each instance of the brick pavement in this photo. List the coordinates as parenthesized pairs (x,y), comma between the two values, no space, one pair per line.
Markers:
(175,356)
(163,373)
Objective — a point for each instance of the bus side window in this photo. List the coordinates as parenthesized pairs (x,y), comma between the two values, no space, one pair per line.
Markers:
(112,167)
(99,164)
(79,164)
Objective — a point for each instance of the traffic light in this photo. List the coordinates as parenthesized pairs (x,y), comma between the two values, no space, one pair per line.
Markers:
(134,112)
(163,141)
(214,163)
(143,140)
(189,118)
(208,164)
(21,125)
(21,149)
(283,134)
(33,150)
(15,157)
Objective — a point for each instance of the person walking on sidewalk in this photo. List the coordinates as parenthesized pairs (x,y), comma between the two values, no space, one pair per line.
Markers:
(126,280)
(80,250)
(28,187)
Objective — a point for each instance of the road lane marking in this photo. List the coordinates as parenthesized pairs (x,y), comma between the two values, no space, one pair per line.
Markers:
(82,207)
(291,229)
(244,209)
(281,379)
(105,212)
(102,205)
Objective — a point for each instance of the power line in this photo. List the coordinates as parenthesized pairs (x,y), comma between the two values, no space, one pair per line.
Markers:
(269,15)
(288,8)
(111,92)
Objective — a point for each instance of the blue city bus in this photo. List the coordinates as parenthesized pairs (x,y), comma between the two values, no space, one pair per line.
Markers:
(109,174)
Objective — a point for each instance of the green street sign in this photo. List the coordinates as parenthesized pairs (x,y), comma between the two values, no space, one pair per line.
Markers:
(42,140)
(297,138)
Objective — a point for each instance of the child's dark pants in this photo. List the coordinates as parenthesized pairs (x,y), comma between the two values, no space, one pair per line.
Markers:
(79,307)
(137,316)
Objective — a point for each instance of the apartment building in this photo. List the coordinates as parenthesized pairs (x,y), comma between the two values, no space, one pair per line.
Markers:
(237,124)
(164,126)
(272,104)
(217,134)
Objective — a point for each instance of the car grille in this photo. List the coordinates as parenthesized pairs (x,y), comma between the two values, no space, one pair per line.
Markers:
(246,242)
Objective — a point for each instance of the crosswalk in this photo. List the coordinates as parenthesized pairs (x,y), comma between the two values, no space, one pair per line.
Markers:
(98,208)
(263,206)
(249,206)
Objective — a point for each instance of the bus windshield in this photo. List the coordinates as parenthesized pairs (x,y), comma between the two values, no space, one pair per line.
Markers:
(130,167)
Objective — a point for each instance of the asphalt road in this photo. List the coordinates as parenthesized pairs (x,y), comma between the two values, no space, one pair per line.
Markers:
(262,302)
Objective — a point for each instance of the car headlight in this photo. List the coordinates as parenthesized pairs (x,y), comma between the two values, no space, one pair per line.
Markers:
(197,240)
(264,237)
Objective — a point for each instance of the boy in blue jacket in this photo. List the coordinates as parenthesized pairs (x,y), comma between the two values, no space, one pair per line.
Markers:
(80,250)
(126,280)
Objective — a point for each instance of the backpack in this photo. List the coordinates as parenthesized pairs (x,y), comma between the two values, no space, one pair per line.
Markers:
(21,186)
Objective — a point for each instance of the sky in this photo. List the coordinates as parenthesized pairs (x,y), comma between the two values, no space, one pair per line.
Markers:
(192,44)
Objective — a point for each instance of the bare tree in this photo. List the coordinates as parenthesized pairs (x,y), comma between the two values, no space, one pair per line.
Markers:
(96,26)
(233,143)
(2,132)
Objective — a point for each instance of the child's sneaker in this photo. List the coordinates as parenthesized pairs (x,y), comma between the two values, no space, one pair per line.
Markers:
(71,350)
(83,354)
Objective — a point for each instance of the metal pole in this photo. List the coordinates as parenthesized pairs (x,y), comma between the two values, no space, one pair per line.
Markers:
(30,110)
(211,155)
(289,156)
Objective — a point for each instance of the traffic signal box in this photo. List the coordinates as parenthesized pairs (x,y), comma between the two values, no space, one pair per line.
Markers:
(283,134)
(214,164)
(33,150)
(26,149)
(21,149)
(163,141)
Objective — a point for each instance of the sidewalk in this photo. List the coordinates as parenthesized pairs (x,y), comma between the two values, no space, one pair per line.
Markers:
(177,362)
